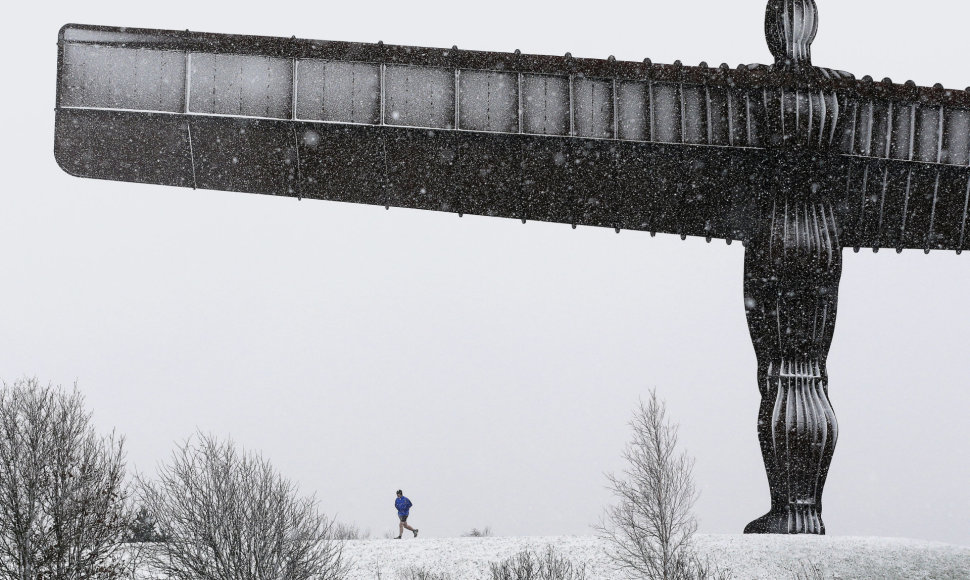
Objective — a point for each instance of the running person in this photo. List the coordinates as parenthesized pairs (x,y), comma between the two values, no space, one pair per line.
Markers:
(403,506)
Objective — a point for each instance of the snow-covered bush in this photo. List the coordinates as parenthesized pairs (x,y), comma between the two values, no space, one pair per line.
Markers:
(64,504)
(419,573)
(227,515)
(531,565)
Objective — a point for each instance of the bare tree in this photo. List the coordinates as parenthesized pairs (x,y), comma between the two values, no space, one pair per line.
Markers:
(649,529)
(227,515)
(64,504)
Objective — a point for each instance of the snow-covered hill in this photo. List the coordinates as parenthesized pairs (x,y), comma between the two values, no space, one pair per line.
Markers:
(747,557)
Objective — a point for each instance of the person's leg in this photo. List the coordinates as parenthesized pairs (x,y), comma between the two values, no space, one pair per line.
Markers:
(405,526)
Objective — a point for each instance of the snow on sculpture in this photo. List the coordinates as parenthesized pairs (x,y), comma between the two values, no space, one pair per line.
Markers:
(796,161)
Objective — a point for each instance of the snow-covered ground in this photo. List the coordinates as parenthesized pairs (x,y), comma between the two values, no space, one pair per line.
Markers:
(746,557)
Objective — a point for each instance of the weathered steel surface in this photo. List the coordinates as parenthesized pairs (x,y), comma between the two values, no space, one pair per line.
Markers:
(795,160)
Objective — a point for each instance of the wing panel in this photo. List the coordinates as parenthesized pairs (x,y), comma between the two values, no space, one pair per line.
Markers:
(545,179)
(492,176)
(949,208)
(542,138)
(419,96)
(716,103)
(421,169)
(342,163)
(956,138)
(633,110)
(928,142)
(207,74)
(122,78)
(593,108)
(672,189)
(247,155)
(667,119)
(489,101)
(243,85)
(344,92)
(636,198)
(545,104)
(124,146)
(909,124)
(906,205)
(696,123)
(591,167)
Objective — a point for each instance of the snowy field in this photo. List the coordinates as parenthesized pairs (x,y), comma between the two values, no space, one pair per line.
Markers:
(747,557)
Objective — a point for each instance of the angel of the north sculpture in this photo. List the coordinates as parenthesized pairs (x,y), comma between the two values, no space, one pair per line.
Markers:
(795,161)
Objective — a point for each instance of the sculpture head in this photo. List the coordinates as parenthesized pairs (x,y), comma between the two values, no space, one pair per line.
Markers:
(790,27)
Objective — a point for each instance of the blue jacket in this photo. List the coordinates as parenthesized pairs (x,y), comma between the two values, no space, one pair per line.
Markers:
(403,505)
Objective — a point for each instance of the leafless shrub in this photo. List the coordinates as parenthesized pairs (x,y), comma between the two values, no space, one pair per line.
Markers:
(650,528)
(478,533)
(531,565)
(344,531)
(227,515)
(418,573)
(64,504)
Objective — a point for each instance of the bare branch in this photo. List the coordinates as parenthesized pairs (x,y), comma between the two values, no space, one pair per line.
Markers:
(649,529)
(64,502)
(227,515)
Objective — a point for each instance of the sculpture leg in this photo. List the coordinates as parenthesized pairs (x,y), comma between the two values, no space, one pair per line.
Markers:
(791,279)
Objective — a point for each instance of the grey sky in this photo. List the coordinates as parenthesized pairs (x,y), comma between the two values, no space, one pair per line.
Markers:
(486,367)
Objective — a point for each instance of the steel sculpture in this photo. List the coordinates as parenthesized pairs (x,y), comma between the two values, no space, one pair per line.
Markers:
(795,161)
